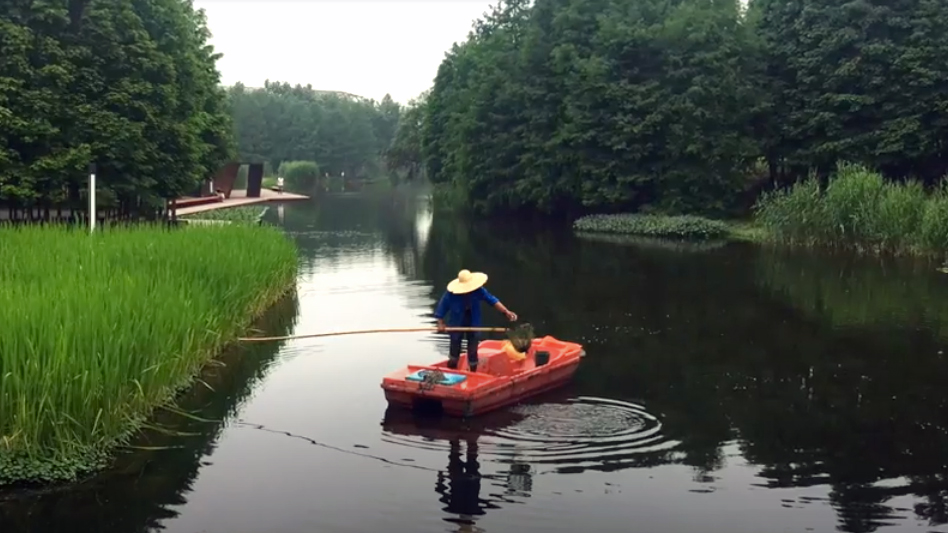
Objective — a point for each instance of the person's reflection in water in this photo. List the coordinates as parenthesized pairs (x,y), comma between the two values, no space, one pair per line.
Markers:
(461,492)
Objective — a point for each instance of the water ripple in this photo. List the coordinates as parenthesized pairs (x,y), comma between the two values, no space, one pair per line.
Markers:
(570,436)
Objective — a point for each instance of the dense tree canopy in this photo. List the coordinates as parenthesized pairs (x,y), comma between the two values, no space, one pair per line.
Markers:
(861,81)
(549,105)
(340,132)
(403,156)
(129,85)
(604,105)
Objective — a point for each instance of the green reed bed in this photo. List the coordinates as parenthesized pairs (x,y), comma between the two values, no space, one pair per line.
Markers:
(685,227)
(99,330)
(858,210)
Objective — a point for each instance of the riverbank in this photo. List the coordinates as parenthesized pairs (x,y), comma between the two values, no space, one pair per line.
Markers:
(100,330)
(857,211)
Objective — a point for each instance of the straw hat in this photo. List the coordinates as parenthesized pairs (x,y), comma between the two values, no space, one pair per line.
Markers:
(467,281)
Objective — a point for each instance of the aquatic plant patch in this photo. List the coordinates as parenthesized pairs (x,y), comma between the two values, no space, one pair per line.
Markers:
(249,214)
(669,227)
(99,330)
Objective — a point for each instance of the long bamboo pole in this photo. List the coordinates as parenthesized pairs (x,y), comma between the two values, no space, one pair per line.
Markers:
(365,331)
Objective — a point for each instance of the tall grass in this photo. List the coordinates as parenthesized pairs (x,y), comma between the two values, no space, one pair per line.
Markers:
(858,210)
(99,330)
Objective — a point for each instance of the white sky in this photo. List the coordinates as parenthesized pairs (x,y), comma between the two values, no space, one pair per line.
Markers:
(364,47)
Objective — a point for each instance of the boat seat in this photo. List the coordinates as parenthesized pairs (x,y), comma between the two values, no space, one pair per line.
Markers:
(499,364)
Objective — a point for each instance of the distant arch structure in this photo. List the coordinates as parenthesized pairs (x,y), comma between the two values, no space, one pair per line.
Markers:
(226,177)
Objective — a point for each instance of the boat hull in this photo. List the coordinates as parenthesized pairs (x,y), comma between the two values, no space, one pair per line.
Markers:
(501,383)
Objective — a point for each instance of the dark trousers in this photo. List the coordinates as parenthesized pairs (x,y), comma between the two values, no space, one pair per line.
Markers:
(455,351)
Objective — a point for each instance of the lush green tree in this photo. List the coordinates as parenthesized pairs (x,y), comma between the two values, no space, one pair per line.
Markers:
(596,105)
(340,132)
(385,122)
(858,81)
(403,158)
(129,85)
(562,105)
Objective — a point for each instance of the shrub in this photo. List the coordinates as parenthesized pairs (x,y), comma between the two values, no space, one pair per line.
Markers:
(99,330)
(675,227)
(300,175)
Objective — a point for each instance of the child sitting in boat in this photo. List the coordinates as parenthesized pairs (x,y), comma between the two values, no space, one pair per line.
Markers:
(461,304)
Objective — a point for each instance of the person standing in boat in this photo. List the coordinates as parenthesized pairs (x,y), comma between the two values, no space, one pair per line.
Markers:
(461,304)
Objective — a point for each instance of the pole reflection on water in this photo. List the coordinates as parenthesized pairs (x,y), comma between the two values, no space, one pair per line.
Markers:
(728,389)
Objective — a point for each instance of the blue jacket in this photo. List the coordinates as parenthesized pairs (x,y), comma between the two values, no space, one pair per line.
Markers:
(452,306)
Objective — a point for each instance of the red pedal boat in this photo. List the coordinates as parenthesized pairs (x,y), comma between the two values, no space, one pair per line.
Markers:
(501,380)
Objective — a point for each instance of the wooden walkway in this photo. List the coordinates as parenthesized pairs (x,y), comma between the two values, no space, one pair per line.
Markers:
(239,198)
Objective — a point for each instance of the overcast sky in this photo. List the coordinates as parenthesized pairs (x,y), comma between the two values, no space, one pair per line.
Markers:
(364,47)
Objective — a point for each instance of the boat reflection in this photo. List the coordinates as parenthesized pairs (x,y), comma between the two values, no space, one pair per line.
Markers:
(460,486)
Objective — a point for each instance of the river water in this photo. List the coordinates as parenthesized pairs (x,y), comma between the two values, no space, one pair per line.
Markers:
(727,389)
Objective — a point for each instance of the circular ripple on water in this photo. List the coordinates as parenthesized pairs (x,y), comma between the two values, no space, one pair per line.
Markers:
(581,434)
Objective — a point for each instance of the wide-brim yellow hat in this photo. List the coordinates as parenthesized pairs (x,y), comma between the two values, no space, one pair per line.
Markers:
(467,281)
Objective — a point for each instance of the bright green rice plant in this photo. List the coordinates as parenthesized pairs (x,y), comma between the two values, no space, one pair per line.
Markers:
(100,329)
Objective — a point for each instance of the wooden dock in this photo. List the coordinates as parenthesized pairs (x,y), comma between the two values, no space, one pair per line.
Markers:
(238,197)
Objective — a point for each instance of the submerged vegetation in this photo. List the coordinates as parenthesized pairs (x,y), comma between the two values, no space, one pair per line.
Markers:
(100,330)
(654,243)
(859,210)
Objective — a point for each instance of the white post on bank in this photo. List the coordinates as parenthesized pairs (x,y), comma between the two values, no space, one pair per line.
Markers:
(92,214)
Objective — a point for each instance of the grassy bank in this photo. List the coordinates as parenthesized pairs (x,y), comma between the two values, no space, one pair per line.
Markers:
(99,330)
(858,210)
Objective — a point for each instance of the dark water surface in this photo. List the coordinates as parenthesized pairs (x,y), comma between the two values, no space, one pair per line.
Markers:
(726,389)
